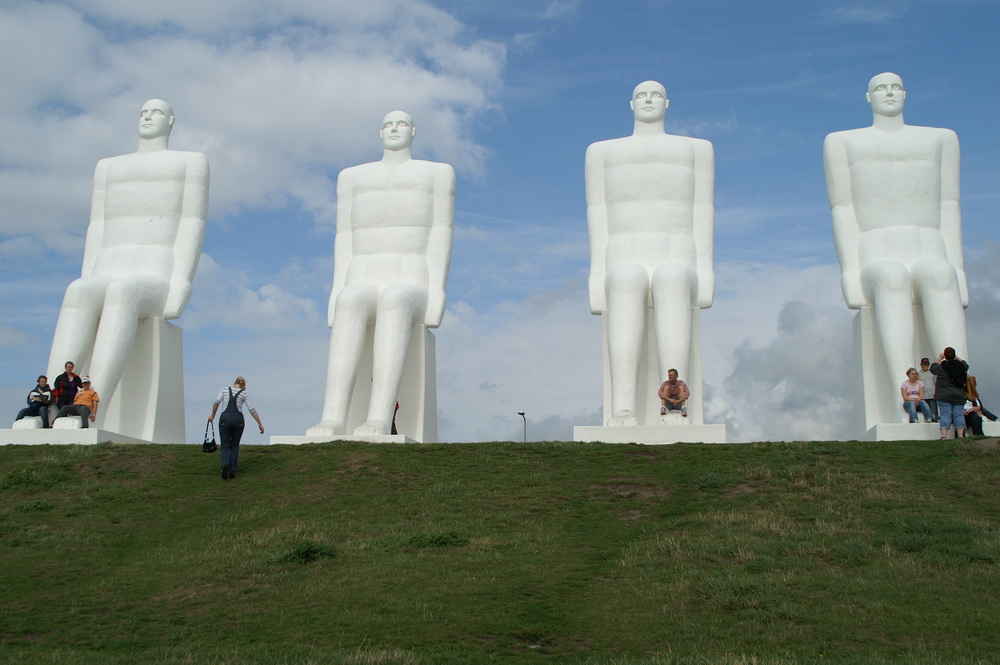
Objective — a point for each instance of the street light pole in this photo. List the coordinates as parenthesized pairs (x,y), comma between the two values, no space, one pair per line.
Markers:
(521,413)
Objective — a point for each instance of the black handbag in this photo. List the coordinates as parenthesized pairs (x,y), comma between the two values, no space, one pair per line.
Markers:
(208,446)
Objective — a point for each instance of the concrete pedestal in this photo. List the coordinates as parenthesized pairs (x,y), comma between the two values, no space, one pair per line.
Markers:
(62,437)
(149,402)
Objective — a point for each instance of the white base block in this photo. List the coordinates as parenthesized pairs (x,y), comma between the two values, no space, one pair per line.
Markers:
(918,432)
(28,422)
(68,422)
(651,434)
(62,437)
(149,402)
(300,440)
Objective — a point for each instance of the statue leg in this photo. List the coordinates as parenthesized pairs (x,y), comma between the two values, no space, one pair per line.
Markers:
(935,284)
(127,299)
(675,288)
(77,325)
(354,308)
(627,287)
(398,306)
(887,285)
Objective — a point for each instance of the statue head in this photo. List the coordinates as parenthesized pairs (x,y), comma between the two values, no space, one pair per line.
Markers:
(886,94)
(397,130)
(649,102)
(155,119)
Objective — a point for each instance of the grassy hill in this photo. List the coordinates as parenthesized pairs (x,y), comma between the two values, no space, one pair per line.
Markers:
(503,553)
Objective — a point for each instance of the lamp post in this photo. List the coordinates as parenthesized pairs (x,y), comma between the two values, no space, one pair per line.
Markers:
(521,413)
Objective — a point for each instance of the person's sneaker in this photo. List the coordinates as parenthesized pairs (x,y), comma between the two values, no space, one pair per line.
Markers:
(684,411)
(663,410)
(225,473)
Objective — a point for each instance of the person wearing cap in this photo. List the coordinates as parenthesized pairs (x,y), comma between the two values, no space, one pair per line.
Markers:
(84,404)
(930,384)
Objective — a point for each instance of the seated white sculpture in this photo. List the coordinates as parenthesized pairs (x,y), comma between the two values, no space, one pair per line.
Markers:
(650,215)
(894,195)
(395,221)
(143,244)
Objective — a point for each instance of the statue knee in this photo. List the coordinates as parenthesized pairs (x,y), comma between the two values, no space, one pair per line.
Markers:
(937,275)
(887,278)
(397,298)
(673,278)
(628,278)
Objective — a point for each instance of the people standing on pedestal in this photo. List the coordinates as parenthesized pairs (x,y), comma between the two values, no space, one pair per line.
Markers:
(894,195)
(84,405)
(231,424)
(912,391)
(650,216)
(395,221)
(147,225)
(39,400)
(66,386)
(951,372)
(673,394)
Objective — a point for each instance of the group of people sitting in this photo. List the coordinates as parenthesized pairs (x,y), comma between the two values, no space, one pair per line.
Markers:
(70,395)
(955,402)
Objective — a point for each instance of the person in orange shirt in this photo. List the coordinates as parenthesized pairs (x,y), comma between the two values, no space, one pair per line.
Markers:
(84,404)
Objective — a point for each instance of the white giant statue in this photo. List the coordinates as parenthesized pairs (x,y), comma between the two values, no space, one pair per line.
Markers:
(147,226)
(395,221)
(894,194)
(650,215)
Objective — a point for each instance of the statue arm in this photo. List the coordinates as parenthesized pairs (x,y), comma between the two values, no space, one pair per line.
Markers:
(95,231)
(845,222)
(343,249)
(951,211)
(597,227)
(439,243)
(190,235)
(704,221)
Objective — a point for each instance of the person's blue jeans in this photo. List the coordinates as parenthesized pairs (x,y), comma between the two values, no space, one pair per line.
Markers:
(36,409)
(911,408)
(932,403)
(229,444)
(952,415)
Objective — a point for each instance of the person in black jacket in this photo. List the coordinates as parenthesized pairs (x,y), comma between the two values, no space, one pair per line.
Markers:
(39,400)
(66,386)
(951,372)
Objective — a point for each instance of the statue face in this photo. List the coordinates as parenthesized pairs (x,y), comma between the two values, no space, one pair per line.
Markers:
(649,102)
(397,131)
(155,119)
(886,94)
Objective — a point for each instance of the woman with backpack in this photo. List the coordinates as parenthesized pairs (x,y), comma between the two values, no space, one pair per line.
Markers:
(951,372)
(231,424)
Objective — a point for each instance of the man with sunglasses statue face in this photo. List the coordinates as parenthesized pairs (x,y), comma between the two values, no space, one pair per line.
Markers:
(650,217)
(894,195)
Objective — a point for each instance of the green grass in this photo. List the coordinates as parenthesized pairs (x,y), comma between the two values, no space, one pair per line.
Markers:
(783,553)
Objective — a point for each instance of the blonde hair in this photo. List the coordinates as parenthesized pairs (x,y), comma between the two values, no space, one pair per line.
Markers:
(241,382)
(912,369)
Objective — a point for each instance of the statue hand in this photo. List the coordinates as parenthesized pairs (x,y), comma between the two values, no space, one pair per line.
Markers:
(177,300)
(850,284)
(435,310)
(598,300)
(706,289)
(963,288)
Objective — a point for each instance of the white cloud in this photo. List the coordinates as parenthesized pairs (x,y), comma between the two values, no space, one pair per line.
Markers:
(279,96)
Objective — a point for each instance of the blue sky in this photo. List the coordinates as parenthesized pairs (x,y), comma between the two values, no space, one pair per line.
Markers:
(282,96)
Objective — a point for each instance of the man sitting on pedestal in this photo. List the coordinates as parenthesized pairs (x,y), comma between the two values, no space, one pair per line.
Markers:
(39,400)
(84,405)
(673,394)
